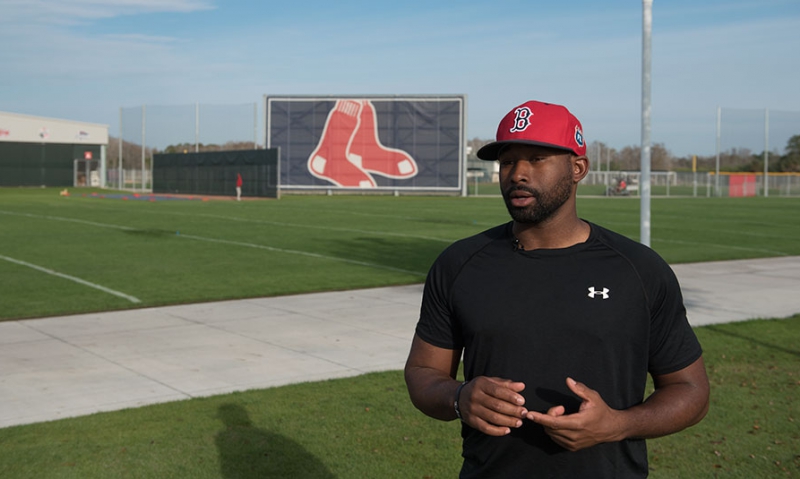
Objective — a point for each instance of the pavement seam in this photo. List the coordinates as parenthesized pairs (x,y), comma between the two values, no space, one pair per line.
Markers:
(279,346)
(104,358)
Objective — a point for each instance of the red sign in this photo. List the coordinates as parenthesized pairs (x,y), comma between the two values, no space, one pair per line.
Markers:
(742,185)
(87,155)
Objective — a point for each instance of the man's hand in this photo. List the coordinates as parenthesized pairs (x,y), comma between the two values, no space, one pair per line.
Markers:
(492,405)
(594,422)
(680,400)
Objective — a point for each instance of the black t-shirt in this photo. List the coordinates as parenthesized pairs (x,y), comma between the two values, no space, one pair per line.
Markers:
(604,312)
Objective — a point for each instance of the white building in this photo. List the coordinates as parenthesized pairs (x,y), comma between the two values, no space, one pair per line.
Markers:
(38,151)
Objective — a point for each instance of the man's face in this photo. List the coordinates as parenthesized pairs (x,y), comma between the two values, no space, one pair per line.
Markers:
(535,181)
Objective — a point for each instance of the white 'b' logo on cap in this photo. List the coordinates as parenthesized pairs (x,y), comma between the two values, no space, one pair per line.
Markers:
(522,119)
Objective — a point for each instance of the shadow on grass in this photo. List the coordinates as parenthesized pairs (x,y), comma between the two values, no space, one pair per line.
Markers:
(247,452)
(409,254)
(752,340)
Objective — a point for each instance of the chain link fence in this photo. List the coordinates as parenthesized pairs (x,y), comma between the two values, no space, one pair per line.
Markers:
(698,184)
(149,129)
(757,141)
(745,138)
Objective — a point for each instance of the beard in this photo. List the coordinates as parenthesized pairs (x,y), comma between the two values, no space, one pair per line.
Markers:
(546,204)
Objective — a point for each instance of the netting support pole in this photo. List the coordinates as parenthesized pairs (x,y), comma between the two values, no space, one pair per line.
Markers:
(196,127)
(144,144)
(717,192)
(119,169)
(766,152)
(644,183)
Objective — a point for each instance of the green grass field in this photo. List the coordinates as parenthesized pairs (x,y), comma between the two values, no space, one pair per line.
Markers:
(365,427)
(146,253)
(187,251)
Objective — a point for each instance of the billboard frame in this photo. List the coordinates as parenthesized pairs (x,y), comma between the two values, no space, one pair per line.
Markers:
(461,99)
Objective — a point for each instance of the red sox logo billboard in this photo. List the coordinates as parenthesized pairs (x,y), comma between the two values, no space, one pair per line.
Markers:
(368,142)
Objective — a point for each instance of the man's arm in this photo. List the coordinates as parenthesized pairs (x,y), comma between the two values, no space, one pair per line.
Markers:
(680,400)
(491,405)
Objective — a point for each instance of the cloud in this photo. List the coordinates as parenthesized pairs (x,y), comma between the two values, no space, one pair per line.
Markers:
(74,12)
(47,39)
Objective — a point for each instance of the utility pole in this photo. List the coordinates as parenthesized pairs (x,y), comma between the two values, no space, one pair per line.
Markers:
(644,186)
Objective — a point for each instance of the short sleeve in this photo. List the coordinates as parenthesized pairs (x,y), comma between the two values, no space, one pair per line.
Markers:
(437,325)
(673,344)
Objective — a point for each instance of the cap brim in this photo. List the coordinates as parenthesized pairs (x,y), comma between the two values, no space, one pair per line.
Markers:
(489,152)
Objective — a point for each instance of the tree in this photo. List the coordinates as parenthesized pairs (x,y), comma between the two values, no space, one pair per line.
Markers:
(600,155)
(202,148)
(790,161)
(661,159)
(630,158)
(473,146)
(131,154)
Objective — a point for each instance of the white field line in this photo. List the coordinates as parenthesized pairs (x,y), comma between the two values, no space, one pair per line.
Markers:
(222,241)
(324,228)
(724,246)
(328,228)
(68,220)
(310,226)
(303,253)
(130,298)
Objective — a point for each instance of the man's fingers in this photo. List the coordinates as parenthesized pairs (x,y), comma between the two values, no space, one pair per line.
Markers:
(492,422)
(581,390)
(515,386)
(554,421)
(556,411)
(491,429)
(496,410)
(492,406)
(500,420)
(503,389)
(545,420)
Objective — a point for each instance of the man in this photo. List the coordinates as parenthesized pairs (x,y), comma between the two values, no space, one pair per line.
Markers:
(559,321)
(239,187)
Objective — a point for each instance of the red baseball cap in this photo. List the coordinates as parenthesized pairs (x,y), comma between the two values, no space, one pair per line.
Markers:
(537,123)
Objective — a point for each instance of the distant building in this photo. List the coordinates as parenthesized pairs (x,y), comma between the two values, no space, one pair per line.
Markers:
(37,151)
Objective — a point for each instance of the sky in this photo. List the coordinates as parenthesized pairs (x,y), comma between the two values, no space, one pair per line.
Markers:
(86,59)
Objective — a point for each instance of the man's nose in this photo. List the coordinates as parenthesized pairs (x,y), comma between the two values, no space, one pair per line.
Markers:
(521,171)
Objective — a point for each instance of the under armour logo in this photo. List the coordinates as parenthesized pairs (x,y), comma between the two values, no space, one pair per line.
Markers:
(593,293)
(522,119)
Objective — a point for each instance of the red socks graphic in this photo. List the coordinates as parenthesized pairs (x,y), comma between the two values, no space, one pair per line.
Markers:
(350,149)
(329,160)
(375,157)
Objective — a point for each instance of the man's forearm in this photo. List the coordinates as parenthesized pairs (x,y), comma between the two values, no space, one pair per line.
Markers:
(668,410)
(432,392)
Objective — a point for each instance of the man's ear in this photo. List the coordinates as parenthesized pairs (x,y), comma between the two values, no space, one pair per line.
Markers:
(580,168)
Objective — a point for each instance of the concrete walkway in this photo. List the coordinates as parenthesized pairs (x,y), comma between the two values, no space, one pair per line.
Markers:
(59,367)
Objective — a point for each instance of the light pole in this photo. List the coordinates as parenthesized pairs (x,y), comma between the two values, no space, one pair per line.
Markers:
(644,186)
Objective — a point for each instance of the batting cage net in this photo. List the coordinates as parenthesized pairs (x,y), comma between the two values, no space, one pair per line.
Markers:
(151,129)
(369,143)
(217,173)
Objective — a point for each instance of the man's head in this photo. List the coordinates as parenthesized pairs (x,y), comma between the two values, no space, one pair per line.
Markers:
(541,152)
(536,181)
